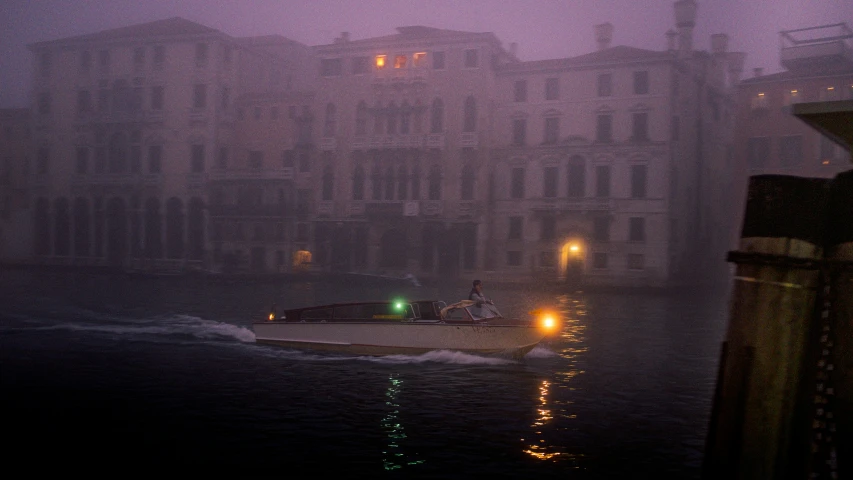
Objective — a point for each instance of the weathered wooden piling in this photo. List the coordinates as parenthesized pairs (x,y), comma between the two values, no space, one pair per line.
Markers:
(761,418)
(837,418)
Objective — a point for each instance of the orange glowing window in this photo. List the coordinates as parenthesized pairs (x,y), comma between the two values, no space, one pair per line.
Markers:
(419,59)
(380,61)
(400,61)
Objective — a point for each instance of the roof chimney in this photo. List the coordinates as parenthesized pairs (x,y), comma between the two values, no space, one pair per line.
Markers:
(603,35)
(513,49)
(757,71)
(685,20)
(345,36)
(670,40)
(719,43)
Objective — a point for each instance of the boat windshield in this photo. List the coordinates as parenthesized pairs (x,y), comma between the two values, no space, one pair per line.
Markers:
(485,310)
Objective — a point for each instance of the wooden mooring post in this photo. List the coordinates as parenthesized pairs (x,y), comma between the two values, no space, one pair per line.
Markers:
(761,420)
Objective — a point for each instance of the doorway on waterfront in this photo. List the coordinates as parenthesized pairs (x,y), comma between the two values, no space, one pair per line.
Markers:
(572,254)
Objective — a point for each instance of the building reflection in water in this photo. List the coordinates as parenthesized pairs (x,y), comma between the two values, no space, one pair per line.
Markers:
(569,348)
(393,457)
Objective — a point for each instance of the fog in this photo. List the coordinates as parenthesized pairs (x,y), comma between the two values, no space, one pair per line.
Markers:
(542,29)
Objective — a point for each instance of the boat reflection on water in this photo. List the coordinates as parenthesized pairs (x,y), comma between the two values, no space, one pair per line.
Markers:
(394,458)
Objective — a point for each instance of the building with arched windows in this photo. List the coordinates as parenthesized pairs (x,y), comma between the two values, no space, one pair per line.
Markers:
(428,151)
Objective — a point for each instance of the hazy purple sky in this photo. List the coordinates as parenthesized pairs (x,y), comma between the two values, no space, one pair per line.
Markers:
(542,28)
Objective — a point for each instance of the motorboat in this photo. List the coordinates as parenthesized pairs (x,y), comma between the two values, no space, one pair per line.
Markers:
(402,327)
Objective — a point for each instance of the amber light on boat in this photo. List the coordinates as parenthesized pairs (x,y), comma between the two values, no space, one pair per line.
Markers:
(272,316)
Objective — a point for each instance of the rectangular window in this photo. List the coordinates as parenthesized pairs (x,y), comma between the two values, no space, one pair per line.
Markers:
(549,180)
(330,67)
(201,54)
(513,258)
(304,162)
(400,61)
(438,60)
(549,227)
(552,89)
(159,56)
(104,60)
(139,57)
(197,165)
(639,177)
(637,229)
(759,151)
(222,160)
(43,161)
(44,103)
(517,187)
(274,113)
(200,96)
(520,91)
(791,150)
(85,61)
(602,181)
(640,127)
(157,98)
(552,130)
(360,65)
(636,261)
(380,61)
(641,83)
(601,229)
(676,127)
(471,58)
(599,260)
(256,159)
(605,84)
(226,98)
(419,59)
(519,131)
(516,225)
(604,129)
(84,101)
(45,64)
(82,161)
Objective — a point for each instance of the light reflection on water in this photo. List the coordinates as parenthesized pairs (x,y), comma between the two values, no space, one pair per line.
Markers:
(393,457)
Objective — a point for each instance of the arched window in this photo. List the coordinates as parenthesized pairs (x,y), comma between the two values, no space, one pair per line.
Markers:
(331,124)
(577,177)
(470,115)
(389,183)
(402,182)
(467,182)
(118,153)
(435,182)
(392,118)
(378,119)
(405,117)
(376,182)
(62,227)
(361,118)
(416,182)
(81,227)
(328,183)
(153,229)
(358,183)
(437,116)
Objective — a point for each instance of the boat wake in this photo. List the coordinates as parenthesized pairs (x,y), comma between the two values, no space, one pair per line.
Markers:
(541,351)
(174,327)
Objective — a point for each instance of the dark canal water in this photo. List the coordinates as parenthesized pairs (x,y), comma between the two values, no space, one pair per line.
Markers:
(109,374)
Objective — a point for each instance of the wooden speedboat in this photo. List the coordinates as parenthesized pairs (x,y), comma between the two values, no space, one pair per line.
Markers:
(399,327)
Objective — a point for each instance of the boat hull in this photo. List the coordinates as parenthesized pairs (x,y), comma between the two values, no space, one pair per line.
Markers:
(400,338)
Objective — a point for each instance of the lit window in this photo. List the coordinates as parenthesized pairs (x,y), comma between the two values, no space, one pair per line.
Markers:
(400,61)
(380,61)
(419,59)
(759,101)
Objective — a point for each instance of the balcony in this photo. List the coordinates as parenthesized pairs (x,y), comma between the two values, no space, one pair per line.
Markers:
(328,144)
(435,140)
(110,179)
(355,208)
(277,211)
(196,179)
(241,175)
(469,140)
(432,208)
(817,48)
(325,209)
(360,143)
(384,209)
(469,209)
